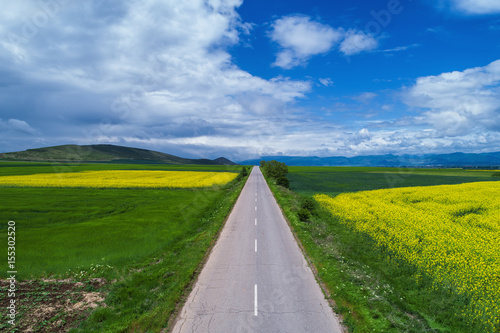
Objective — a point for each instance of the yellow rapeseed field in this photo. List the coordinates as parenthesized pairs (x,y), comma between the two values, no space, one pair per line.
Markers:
(450,233)
(122,179)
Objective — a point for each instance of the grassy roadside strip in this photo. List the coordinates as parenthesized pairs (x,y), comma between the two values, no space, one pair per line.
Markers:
(370,293)
(144,297)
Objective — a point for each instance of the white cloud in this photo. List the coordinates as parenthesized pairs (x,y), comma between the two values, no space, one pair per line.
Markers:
(13,125)
(401,48)
(157,74)
(477,6)
(152,70)
(326,82)
(21,125)
(365,97)
(301,38)
(459,103)
(356,42)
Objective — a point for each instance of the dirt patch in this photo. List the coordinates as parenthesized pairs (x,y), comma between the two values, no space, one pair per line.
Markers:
(51,305)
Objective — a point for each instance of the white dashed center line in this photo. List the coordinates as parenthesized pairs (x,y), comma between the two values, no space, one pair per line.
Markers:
(255,308)
(255,245)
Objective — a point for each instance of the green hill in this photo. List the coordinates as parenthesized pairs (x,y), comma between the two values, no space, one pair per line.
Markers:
(104,153)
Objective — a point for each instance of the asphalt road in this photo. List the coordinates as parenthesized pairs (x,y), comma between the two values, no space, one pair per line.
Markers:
(256,278)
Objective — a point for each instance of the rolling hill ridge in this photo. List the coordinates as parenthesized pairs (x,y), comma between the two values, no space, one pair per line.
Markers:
(104,153)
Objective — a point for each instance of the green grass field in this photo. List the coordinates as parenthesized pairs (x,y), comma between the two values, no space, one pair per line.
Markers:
(63,229)
(28,168)
(335,180)
(371,293)
(147,244)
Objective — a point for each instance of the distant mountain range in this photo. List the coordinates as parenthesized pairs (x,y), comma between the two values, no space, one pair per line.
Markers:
(442,160)
(104,153)
(120,154)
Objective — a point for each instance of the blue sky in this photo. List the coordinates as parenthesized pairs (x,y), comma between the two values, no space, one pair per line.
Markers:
(247,78)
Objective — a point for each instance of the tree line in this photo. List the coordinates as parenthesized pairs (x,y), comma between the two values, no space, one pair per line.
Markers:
(276,170)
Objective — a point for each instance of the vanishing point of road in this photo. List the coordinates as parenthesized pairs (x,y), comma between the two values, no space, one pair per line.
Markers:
(256,279)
